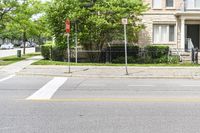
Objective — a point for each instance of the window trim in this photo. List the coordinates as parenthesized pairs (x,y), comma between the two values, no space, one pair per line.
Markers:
(160,42)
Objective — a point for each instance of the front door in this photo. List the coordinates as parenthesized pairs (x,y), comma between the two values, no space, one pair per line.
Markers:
(193,33)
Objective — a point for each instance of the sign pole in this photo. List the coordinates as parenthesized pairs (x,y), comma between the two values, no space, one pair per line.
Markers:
(76,42)
(68,48)
(125,22)
(68,53)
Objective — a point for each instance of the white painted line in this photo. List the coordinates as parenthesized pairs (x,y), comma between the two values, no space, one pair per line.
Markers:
(92,85)
(47,91)
(190,85)
(6,78)
(140,85)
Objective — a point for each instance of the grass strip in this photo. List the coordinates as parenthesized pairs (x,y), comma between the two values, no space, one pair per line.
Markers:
(49,62)
(12,59)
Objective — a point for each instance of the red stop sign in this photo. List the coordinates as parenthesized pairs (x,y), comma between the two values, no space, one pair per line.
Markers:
(67,23)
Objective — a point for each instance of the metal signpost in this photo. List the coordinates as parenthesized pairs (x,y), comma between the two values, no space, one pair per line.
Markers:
(68,51)
(76,42)
(125,22)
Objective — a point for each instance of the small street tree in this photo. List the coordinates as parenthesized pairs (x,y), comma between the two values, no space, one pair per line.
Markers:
(99,21)
(23,19)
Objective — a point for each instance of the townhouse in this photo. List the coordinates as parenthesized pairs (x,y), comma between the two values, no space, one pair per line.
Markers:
(175,23)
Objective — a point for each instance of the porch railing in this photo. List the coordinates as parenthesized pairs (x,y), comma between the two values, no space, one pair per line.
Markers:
(189,44)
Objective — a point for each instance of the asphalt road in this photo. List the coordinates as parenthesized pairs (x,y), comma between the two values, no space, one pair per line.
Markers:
(10,52)
(91,105)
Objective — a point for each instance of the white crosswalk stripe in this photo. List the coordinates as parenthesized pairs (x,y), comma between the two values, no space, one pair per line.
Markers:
(6,78)
(47,91)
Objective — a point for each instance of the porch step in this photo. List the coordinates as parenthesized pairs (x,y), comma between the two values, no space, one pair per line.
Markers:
(186,57)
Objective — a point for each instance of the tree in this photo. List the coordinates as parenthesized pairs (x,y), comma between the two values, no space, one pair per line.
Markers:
(6,9)
(27,21)
(99,20)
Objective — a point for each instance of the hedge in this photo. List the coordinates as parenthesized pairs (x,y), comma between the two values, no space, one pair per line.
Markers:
(53,52)
(152,54)
(46,51)
(156,52)
(118,51)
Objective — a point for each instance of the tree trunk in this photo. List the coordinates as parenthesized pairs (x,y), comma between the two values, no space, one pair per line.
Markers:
(24,42)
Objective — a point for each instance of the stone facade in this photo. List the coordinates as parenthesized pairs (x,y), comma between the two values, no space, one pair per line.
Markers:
(163,15)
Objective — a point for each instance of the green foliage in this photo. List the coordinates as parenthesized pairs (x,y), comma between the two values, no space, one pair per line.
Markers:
(120,60)
(50,51)
(23,20)
(154,54)
(145,60)
(118,51)
(157,51)
(57,53)
(13,59)
(174,59)
(163,59)
(99,22)
(46,50)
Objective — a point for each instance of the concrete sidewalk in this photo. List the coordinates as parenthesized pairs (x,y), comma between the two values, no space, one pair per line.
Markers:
(19,66)
(114,72)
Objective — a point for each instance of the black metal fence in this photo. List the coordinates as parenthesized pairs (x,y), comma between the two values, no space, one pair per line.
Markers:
(113,56)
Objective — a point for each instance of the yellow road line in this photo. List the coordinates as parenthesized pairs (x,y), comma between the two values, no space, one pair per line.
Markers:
(120,100)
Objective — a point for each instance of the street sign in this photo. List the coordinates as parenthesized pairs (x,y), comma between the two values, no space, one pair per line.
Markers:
(124,21)
(67,23)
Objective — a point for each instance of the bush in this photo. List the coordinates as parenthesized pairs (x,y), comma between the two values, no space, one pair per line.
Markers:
(46,51)
(156,52)
(174,59)
(118,51)
(58,53)
(146,60)
(163,59)
(121,60)
(50,51)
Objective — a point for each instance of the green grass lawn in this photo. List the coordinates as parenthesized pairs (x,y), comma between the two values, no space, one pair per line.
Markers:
(12,59)
(48,62)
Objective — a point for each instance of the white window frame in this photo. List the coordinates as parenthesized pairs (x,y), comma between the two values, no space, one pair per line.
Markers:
(160,35)
(156,7)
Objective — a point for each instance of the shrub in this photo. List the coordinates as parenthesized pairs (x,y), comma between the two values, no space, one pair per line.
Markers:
(156,52)
(145,60)
(118,51)
(57,53)
(163,59)
(50,51)
(46,51)
(174,59)
(120,60)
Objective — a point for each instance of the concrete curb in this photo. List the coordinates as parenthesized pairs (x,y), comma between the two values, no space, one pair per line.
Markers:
(107,76)
(132,67)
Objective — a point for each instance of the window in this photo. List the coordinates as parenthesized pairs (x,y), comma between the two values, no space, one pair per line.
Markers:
(163,33)
(171,33)
(197,3)
(192,4)
(157,4)
(169,3)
